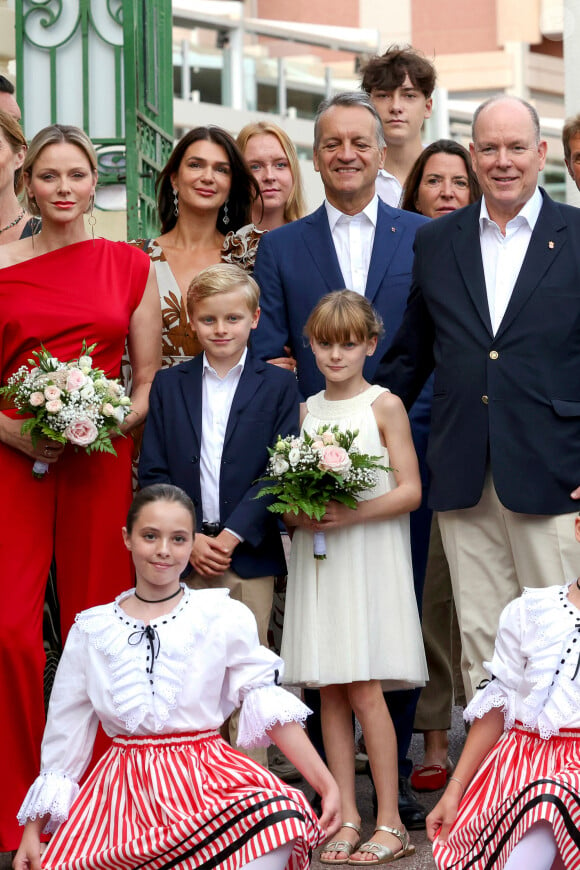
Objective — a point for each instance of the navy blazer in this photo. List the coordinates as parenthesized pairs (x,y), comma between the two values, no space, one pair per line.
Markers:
(512,399)
(297,264)
(265,405)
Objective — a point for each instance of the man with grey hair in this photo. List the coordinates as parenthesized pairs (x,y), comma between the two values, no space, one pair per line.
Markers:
(353,240)
(495,311)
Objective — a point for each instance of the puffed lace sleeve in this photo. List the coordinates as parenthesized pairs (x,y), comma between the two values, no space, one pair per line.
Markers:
(68,740)
(252,677)
(506,669)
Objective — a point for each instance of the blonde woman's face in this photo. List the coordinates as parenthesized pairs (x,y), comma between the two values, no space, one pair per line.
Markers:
(62,181)
(271,169)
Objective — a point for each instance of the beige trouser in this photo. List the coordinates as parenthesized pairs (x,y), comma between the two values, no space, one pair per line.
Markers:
(256,593)
(493,553)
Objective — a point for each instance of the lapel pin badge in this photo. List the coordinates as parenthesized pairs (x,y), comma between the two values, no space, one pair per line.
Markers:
(393,230)
(551,245)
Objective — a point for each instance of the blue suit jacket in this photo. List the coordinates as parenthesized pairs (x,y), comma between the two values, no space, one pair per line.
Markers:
(297,264)
(512,399)
(265,405)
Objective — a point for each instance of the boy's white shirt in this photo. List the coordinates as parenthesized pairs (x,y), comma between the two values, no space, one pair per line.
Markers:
(389,188)
(217,397)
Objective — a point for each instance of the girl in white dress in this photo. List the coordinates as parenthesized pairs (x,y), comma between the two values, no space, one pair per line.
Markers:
(351,625)
(513,802)
(162,667)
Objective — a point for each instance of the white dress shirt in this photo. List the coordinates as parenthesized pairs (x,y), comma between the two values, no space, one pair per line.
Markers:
(353,237)
(217,397)
(503,255)
(389,188)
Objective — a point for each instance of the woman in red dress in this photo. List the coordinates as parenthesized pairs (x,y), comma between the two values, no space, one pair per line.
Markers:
(58,288)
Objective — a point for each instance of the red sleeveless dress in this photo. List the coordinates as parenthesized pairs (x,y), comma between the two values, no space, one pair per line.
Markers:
(89,291)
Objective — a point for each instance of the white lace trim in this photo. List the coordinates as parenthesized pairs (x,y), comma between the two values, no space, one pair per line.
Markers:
(492,696)
(51,794)
(265,707)
(545,698)
(135,692)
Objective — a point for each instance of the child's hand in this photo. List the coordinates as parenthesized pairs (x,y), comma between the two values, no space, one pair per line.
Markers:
(442,816)
(331,819)
(337,515)
(28,855)
(208,557)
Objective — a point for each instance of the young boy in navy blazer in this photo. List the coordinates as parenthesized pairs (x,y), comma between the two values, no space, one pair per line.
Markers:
(209,426)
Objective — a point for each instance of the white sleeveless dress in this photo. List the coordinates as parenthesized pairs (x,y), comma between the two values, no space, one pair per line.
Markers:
(353,616)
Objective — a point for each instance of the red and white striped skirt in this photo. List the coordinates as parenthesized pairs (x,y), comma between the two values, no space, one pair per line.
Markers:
(523,780)
(186,801)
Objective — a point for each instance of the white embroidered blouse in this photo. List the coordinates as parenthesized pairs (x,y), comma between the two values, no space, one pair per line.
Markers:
(535,668)
(202,660)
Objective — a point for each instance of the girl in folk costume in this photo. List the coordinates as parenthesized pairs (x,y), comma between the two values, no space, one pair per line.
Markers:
(351,626)
(513,802)
(161,668)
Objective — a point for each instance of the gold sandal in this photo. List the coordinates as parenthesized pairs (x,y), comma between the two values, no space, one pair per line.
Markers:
(384,855)
(341,846)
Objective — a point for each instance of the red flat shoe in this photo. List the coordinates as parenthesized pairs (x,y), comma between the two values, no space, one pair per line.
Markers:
(430,777)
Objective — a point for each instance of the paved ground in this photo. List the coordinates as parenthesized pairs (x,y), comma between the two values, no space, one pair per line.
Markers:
(422,859)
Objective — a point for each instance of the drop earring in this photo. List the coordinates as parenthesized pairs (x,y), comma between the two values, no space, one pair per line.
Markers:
(226,218)
(92,219)
(175,202)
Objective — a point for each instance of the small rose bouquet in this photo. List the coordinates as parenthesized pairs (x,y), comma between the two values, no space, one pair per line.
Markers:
(70,403)
(306,473)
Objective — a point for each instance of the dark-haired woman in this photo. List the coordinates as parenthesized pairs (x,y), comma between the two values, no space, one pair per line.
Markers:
(204,192)
(440,182)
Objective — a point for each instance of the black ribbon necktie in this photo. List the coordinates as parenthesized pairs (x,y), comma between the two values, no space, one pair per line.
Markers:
(152,638)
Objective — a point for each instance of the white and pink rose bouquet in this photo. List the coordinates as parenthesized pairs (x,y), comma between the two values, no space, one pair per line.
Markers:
(305,473)
(68,402)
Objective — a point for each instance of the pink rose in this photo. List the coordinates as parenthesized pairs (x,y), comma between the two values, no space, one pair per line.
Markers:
(51,393)
(328,437)
(75,380)
(317,445)
(36,399)
(335,459)
(82,432)
(54,406)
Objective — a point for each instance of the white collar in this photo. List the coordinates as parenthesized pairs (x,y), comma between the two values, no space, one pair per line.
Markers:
(239,366)
(529,212)
(371,211)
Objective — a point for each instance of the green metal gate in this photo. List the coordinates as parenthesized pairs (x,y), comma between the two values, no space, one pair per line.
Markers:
(104,65)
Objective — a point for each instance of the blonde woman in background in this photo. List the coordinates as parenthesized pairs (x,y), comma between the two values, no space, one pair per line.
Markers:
(273,161)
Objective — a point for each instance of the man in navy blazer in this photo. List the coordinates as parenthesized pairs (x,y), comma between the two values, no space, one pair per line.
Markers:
(265,405)
(495,311)
(353,240)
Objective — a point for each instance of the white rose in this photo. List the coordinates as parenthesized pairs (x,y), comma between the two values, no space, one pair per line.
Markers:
(54,406)
(125,400)
(279,465)
(88,391)
(294,456)
(52,393)
(85,362)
